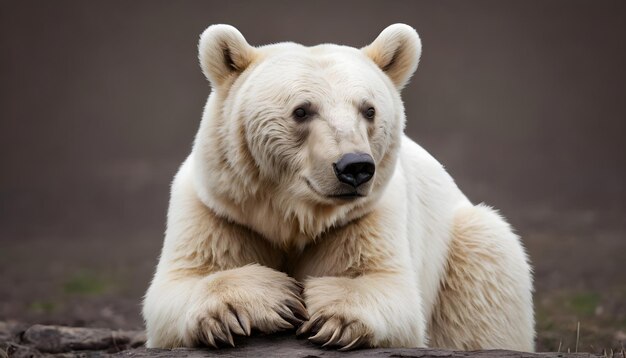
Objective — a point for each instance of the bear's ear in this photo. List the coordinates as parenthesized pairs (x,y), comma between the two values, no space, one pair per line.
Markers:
(223,53)
(396,51)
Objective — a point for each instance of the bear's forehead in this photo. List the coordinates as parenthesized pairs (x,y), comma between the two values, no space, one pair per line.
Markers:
(330,66)
(313,58)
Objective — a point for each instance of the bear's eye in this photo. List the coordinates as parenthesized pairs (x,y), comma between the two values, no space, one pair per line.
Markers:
(300,113)
(370,113)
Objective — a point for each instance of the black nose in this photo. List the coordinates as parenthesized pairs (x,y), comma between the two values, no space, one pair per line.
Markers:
(355,168)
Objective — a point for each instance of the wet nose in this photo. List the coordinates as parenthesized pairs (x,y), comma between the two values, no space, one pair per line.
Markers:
(355,168)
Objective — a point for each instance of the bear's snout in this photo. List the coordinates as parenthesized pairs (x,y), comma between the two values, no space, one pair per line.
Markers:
(355,168)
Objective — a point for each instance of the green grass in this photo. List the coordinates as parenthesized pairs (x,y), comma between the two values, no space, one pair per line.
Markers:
(86,283)
(43,306)
(584,303)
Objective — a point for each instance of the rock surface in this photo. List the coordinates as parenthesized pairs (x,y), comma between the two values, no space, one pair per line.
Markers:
(18,340)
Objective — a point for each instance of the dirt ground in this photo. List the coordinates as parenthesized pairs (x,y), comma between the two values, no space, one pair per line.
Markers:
(523,102)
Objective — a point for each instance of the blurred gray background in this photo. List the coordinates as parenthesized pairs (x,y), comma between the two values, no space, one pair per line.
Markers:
(523,102)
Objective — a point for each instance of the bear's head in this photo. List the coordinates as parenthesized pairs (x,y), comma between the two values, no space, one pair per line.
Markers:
(296,139)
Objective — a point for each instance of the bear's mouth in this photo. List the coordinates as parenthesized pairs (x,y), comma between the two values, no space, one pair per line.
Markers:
(343,196)
(346,196)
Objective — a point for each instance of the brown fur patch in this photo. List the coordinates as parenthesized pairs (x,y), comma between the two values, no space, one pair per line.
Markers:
(350,251)
(220,245)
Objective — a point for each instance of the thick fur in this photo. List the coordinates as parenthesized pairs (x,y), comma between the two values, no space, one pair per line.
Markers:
(257,239)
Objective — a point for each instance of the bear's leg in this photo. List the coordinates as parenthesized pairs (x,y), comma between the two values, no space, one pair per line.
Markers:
(485,299)
(215,279)
(361,289)
(375,310)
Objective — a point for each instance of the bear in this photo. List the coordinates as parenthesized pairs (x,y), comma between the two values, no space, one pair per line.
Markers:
(303,205)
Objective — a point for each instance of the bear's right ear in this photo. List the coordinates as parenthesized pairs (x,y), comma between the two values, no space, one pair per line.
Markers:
(224,54)
(396,51)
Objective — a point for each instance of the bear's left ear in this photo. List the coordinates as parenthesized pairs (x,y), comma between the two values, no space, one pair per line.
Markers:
(396,51)
(224,54)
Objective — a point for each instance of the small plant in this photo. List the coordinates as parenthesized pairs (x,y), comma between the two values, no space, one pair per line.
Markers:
(43,306)
(86,283)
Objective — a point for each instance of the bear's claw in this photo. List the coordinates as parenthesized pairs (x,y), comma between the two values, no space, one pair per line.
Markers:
(356,343)
(213,333)
(308,325)
(336,331)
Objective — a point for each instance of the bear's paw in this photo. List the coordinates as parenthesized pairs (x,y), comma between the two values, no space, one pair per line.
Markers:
(240,300)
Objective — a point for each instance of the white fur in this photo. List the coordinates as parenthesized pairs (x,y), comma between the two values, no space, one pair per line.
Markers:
(250,204)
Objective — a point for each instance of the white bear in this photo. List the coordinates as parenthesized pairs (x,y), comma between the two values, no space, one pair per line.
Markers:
(303,204)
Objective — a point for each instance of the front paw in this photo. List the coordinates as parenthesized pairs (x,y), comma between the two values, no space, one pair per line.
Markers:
(331,328)
(240,300)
